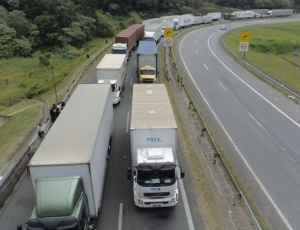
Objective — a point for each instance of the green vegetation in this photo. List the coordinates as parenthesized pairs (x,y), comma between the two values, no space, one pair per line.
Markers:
(271,50)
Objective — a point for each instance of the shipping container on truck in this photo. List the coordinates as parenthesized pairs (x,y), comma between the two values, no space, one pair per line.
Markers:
(280,13)
(68,169)
(147,62)
(125,42)
(112,70)
(239,15)
(140,30)
(153,137)
(215,16)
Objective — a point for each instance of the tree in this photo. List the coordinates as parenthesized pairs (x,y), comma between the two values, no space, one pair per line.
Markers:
(73,35)
(87,24)
(21,47)
(47,27)
(17,20)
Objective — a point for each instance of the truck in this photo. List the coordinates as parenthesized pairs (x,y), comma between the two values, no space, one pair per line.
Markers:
(215,16)
(147,62)
(280,13)
(125,42)
(140,30)
(153,137)
(207,19)
(152,21)
(198,20)
(239,15)
(112,70)
(68,169)
(153,32)
(183,21)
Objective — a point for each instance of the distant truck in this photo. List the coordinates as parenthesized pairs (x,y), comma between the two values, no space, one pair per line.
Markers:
(166,24)
(68,169)
(280,13)
(112,70)
(239,15)
(153,135)
(183,21)
(125,42)
(147,62)
(198,20)
(207,19)
(152,21)
(153,32)
(215,16)
(140,30)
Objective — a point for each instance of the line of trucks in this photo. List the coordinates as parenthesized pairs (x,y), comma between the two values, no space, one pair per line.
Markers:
(258,13)
(68,169)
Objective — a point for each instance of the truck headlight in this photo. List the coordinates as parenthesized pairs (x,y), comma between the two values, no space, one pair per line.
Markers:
(140,202)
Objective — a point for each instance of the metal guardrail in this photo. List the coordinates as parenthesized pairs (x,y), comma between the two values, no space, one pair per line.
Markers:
(18,166)
(239,192)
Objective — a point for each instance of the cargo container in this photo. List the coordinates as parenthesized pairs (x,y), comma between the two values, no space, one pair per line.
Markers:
(140,30)
(153,32)
(125,42)
(68,169)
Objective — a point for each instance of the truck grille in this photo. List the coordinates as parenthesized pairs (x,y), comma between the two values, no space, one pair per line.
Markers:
(157,194)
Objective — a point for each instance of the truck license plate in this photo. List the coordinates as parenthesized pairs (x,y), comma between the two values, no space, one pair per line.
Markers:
(156,206)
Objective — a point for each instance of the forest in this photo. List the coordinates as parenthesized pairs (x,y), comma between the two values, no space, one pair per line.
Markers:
(29,25)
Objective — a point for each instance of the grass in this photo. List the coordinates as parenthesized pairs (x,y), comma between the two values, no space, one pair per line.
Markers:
(271,49)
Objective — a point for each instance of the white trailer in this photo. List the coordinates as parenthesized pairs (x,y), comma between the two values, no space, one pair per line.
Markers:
(153,136)
(153,32)
(280,13)
(112,70)
(239,15)
(183,21)
(77,145)
(152,21)
(215,16)
(198,20)
(166,24)
(207,19)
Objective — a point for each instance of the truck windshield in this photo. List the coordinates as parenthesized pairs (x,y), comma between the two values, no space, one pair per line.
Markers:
(148,72)
(118,51)
(148,39)
(156,178)
(113,87)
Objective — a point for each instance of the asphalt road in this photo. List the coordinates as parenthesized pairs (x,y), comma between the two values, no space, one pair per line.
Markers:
(257,126)
(118,210)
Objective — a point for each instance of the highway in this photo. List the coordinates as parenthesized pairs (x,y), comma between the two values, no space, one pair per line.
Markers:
(118,210)
(257,126)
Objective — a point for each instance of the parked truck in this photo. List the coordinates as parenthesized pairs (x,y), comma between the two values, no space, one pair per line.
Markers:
(147,62)
(198,20)
(239,15)
(68,169)
(112,70)
(215,16)
(125,42)
(183,21)
(152,21)
(207,19)
(280,13)
(153,32)
(153,136)
(140,30)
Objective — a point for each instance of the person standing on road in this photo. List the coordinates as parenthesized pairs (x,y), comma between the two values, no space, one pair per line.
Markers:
(53,113)
(40,131)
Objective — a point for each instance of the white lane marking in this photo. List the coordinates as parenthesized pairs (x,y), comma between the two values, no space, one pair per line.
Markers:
(127,122)
(222,85)
(256,121)
(120,216)
(194,42)
(196,52)
(205,66)
(185,202)
(238,151)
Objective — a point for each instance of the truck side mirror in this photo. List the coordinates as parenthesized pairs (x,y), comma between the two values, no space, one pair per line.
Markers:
(129,171)
(182,175)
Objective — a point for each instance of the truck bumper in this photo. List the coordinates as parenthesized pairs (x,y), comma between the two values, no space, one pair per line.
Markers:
(156,203)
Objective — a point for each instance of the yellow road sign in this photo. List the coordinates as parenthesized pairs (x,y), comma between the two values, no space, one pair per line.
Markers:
(174,65)
(245,36)
(168,32)
(179,80)
(170,55)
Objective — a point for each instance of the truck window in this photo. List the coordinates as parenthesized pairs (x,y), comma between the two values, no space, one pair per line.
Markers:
(114,51)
